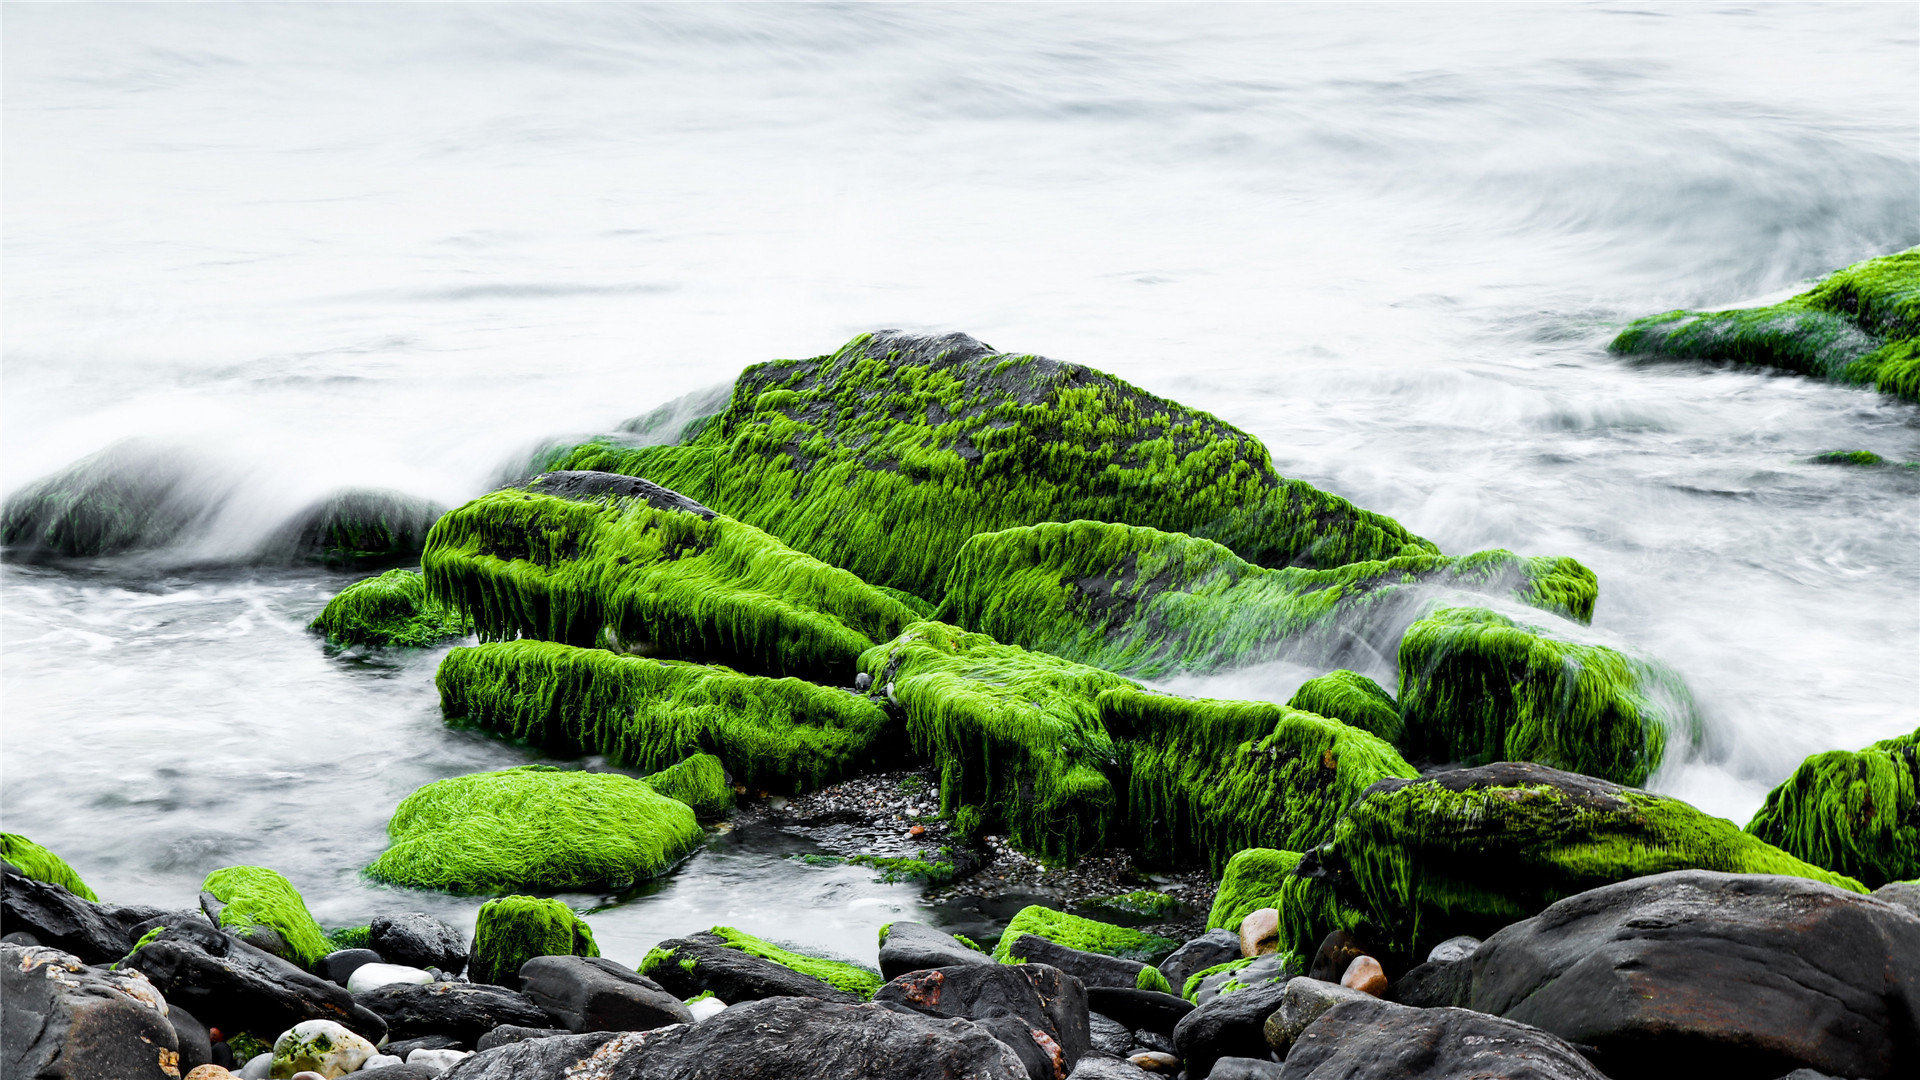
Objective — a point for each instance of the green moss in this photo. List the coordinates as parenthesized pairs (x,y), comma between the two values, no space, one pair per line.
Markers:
(701,996)
(1211,778)
(1151,979)
(356,527)
(1855,813)
(391,609)
(968,942)
(700,782)
(896,870)
(609,561)
(134,494)
(1012,732)
(1860,325)
(1354,700)
(256,897)
(1476,686)
(350,937)
(38,863)
(246,1046)
(534,827)
(146,939)
(1194,980)
(1087,935)
(1252,881)
(772,734)
(1146,602)
(1847,457)
(885,456)
(514,929)
(1139,904)
(835,973)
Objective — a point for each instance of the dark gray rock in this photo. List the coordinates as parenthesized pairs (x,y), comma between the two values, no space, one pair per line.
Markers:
(592,993)
(1211,948)
(584,484)
(1106,1035)
(1434,985)
(1108,1067)
(60,920)
(731,975)
(1904,893)
(139,920)
(400,1072)
(1153,1040)
(401,1048)
(1741,976)
(355,527)
(1149,1009)
(338,966)
(530,1059)
(1040,1012)
(212,973)
(1336,951)
(1245,1068)
(1305,1001)
(20,938)
(419,940)
(462,1011)
(507,1034)
(190,1035)
(1454,948)
(65,1019)
(912,946)
(1230,1025)
(1271,968)
(1091,968)
(1378,1040)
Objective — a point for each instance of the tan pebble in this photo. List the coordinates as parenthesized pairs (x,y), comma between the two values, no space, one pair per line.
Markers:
(916,830)
(1156,1061)
(1260,932)
(1366,976)
(209,1072)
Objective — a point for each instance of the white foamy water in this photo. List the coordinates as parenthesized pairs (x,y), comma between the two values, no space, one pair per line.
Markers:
(397,245)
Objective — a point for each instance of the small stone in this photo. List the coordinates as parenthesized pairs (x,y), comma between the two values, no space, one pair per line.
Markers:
(374,976)
(338,967)
(309,1074)
(917,830)
(442,1059)
(324,1047)
(863,682)
(1452,949)
(1336,951)
(381,1061)
(1304,1002)
(1260,932)
(705,1007)
(1366,976)
(1156,1061)
(209,1072)
(258,1068)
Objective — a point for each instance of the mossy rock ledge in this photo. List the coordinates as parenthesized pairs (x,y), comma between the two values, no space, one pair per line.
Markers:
(1087,935)
(1254,879)
(390,609)
(264,908)
(135,495)
(38,863)
(1853,812)
(1353,699)
(512,930)
(356,527)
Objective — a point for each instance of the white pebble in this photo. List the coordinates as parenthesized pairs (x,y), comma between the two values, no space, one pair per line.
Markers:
(379,1061)
(374,976)
(439,1059)
(706,1007)
(257,1067)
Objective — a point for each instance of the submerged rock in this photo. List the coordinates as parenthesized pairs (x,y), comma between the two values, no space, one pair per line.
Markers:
(355,527)
(65,1019)
(514,929)
(736,967)
(134,495)
(390,609)
(1856,813)
(264,909)
(36,862)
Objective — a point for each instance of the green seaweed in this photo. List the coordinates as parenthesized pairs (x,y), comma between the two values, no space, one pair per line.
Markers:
(390,609)
(700,781)
(1354,700)
(1859,326)
(135,494)
(1853,812)
(1139,904)
(1847,457)
(146,939)
(1251,881)
(38,863)
(246,1046)
(350,937)
(838,974)
(534,827)
(771,734)
(259,898)
(514,929)
(358,526)
(1087,935)
(1476,686)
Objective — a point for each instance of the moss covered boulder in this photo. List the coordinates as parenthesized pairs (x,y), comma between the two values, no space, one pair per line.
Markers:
(1860,325)
(1252,880)
(134,495)
(776,734)
(1352,699)
(850,978)
(700,782)
(512,930)
(357,527)
(1087,935)
(1414,862)
(38,863)
(390,609)
(534,827)
(265,909)
(1148,602)
(1853,812)
(598,559)
(1210,778)
(1016,735)
(1476,686)
(886,455)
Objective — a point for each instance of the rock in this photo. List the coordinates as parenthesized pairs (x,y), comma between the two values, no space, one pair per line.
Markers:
(32,860)
(1148,1009)
(1091,968)
(63,1018)
(419,940)
(401,1048)
(1106,1035)
(1245,1068)
(1336,953)
(196,1048)
(1433,985)
(135,494)
(1106,1067)
(464,1011)
(514,929)
(701,782)
(1365,975)
(1040,1012)
(390,609)
(20,938)
(1260,971)
(355,527)
(58,919)
(1303,1002)
(320,1046)
(591,993)
(337,967)
(1087,935)
(1353,699)
(215,974)
(1230,1025)
(1213,947)
(308,1074)
(911,946)
(701,1008)
(1458,947)
(374,976)
(257,1067)
(1904,893)
(1152,1040)
(1857,813)
(438,1059)
(531,1059)
(209,1072)
(1260,932)
(381,1061)
(1750,975)
(1381,1041)
(263,909)
(401,1071)
(507,1034)
(1157,1061)
(687,966)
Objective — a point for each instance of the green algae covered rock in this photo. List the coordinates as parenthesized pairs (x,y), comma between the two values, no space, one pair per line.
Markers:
(1476,686)
(390,609)
(259,904)
(1148,602)
(356,527)
(1139,904)
(597,559)
(534,827)
(1210,778)
(1855,813)
(1087,935)
(700,782)
(838,974)
(1860,325)
(1414,862)
(1252,880)
(38,863)
(1016,735)
(134,495)
(514,929)
(1352,699)
(778,734)
(885,456)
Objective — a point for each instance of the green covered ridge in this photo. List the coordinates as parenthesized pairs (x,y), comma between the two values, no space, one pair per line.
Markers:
(1016,735)
(838,974)
(390,609)
(1860,326)
(38,863)
(585,561)
(1853,812)
(885,456)
(1211,778)
(1252,880)
(1476,686)
(700,782)
(777,734)
(514,929)
(1354,700)
(1087,935)
(257,898)
(534,827)
(1146,602)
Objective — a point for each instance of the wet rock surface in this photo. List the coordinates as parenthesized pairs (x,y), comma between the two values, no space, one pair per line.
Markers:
(241,988)
(912,946)
(461,1011)
(703,963)
(592,993)
(418,940)
(1039,1012)
(1378,1040)
(64,1018)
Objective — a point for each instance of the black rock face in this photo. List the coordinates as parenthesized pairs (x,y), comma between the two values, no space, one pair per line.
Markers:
(418,940)
(337,967)
(240,988)
(1040,1012)
(912,946)
(196,1047)
(462,1011)
(66,1019)
(734,976)
(530,1059)
(1150,1010)
(508,1034)
(1434,985)
(1383,1041)
(592,993)
(1091,968)
(1230,1025)
(1209,949)
(1240,1068)
(58,919)
(1106,1035)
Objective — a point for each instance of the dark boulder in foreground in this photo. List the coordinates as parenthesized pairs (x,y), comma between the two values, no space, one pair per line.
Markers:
(1039,1012)
(63,1018)
(1692,973)
(59,919)
(592,993)
(531,1059)
(1375,1040)
(911,946)
(463,1011)
(1229,1025)
(236,987)
(704,962)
